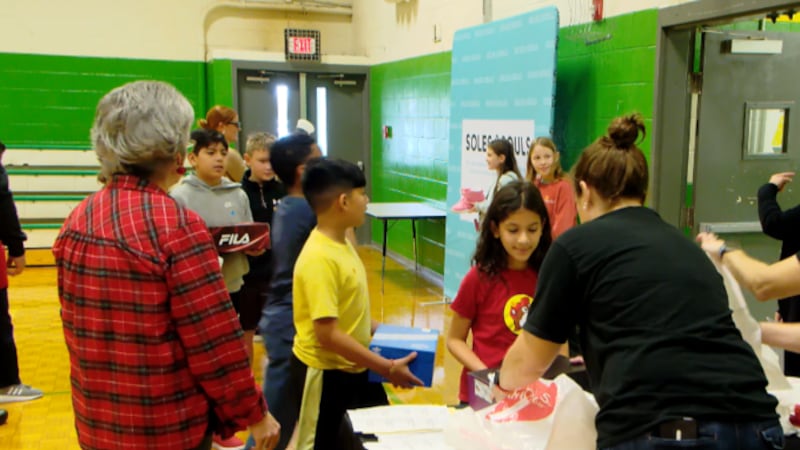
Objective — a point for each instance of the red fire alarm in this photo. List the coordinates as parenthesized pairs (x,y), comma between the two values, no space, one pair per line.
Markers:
(598,10)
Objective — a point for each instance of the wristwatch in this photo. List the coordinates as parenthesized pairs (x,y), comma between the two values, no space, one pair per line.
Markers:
(496,382)
(722,250)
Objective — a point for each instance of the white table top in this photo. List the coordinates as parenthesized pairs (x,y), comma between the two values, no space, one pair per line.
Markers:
(404,210)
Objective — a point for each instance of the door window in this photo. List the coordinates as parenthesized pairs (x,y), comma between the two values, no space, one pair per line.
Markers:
(765,130)
(282,104)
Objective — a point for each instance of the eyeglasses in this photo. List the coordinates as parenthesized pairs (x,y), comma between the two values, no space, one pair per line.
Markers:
(236,124)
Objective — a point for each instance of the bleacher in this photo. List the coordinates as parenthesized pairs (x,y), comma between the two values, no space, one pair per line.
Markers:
(47,184)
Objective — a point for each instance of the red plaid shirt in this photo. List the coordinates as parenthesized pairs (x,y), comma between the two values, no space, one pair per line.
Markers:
(155,348)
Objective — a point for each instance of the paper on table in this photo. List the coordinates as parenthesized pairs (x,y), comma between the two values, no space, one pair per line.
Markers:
(399,418)
(410,441)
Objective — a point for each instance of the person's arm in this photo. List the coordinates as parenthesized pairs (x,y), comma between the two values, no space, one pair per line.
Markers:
(564,212)
(526,361)
(781,335)
(11,233)
(373,327)
(482,206)
(316,282)
(765,281)
(776,223)
(332,338)
(208,330)
(457,343)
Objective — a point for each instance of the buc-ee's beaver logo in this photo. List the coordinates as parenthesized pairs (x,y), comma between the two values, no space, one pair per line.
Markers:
(516,311)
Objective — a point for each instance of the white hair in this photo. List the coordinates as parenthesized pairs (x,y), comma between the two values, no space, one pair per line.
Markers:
(139,126)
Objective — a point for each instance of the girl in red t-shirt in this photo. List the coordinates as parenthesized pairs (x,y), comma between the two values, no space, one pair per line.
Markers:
(544,170)
(496,293)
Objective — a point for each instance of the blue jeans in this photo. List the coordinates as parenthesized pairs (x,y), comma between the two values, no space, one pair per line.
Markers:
(277,329)
(716,436)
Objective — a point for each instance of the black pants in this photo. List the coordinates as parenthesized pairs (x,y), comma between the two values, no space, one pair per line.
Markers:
(340,391)
(9,366)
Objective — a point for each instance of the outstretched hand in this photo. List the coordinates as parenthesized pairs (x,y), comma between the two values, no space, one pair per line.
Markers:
(710,243)
(781,179)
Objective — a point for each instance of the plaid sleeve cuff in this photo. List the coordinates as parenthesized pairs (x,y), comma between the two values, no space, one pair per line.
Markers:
(255,414)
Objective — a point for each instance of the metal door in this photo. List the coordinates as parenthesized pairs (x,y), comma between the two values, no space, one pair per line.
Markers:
(336,107)
(748,83)
(272,101)
(268,101)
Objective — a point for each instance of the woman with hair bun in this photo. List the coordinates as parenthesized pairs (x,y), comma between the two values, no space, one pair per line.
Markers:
(668,367)
(226,121)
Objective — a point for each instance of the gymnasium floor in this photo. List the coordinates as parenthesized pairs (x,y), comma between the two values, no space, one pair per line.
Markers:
(47,423)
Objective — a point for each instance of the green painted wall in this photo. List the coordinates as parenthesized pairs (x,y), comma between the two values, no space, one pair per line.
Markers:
(49,101)
(413,97)
(219,89)
(603,70)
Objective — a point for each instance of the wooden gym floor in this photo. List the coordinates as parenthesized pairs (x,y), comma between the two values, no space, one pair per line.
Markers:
(47,423)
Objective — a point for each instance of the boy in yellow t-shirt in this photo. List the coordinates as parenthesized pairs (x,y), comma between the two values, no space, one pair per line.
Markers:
(331,314)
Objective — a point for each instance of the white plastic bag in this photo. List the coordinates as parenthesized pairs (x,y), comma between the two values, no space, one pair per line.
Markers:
(788,394)
(751,332)
(546,415)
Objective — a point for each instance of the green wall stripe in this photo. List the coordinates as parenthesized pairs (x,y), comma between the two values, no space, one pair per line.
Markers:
(41,226)
(48,198)
(220,83)
(51,172)
(49,101)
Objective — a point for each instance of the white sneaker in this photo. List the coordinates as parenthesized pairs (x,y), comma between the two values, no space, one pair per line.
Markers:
(19,393)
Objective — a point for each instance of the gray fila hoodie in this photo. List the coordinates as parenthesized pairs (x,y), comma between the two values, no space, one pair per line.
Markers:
(220,205)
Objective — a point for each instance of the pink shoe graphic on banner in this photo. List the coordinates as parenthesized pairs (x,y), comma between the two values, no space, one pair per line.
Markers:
(468,200)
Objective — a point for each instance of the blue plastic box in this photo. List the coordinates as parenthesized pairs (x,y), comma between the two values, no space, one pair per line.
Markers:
(393,342)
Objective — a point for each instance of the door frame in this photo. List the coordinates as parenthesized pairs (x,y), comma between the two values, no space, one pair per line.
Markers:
(313,68)
(675,44)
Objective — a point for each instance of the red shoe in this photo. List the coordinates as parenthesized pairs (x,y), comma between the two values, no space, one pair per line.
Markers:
(232,443)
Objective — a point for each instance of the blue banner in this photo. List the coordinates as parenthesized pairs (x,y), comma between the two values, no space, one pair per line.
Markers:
(503,86)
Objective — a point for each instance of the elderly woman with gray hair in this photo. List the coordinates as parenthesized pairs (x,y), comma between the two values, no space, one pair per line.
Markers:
(155,347)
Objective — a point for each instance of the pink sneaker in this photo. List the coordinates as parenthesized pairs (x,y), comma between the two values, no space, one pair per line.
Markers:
(473,196)
(467,200)
(232,443)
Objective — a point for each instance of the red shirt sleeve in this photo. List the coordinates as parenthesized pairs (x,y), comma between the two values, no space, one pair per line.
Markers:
(565,213)
(209,330)
(466,302)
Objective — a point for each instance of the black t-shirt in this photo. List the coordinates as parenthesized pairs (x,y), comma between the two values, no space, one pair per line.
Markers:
(656,331)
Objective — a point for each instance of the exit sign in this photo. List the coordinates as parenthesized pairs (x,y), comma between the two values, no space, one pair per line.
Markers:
(302,45)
